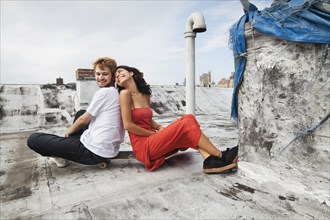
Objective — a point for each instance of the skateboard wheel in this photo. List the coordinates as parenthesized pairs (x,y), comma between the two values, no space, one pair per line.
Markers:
(103,165)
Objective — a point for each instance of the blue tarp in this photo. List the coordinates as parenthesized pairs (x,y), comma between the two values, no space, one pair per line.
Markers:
(295,20)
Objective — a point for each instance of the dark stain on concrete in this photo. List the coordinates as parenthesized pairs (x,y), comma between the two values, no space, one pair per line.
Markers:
(19,193)
(233,192)
(21,174)
(2,173)
(289,197)
(81,211)
(244,188)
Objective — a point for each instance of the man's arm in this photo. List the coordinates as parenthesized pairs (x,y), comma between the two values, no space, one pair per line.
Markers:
(79,123)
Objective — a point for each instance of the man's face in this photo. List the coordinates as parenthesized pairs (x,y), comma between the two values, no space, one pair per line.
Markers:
(103,77)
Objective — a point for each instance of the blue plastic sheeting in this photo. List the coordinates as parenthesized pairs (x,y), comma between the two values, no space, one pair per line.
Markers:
(295,20)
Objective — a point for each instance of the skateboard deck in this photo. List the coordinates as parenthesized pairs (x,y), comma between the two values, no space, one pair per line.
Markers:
(123,155)
(128,155)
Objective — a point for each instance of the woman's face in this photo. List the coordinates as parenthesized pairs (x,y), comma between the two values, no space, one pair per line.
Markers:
(122,76)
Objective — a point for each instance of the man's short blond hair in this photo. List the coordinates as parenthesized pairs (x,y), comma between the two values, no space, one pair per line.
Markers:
(105,62)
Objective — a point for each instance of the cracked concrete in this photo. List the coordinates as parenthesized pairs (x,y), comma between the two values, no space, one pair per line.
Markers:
(34,188)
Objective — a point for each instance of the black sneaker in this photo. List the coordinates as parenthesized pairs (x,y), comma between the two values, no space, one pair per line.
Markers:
(214,164)
(230,155)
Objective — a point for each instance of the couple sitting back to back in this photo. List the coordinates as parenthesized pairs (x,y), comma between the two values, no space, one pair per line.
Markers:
(96,134)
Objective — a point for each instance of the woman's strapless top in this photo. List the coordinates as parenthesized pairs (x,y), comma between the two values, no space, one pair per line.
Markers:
(142,117)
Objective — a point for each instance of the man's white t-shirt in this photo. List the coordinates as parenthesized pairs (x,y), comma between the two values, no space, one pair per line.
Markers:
(105,132)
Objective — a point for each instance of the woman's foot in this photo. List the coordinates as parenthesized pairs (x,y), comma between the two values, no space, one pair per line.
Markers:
(214,164)
(230,155)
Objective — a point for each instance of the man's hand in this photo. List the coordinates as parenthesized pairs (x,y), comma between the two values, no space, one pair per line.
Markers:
(66,134)
(79,123)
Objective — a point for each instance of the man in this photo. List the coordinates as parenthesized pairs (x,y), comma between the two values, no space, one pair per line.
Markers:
(105,133)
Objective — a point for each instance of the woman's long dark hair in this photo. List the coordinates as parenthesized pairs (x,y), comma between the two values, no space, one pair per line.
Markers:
(141,84)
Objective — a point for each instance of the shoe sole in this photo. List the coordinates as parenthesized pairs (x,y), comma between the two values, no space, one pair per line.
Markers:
(223,169)
(235,160)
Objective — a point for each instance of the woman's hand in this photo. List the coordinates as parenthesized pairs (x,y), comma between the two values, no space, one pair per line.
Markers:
(159,128)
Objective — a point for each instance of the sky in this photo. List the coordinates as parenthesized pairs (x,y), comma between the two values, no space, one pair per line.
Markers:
(44,40)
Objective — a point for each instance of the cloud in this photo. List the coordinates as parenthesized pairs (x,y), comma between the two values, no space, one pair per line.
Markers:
(59,37)
(222,17)
(42,40)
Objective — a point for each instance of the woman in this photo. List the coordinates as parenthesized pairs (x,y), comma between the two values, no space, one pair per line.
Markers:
(152,142)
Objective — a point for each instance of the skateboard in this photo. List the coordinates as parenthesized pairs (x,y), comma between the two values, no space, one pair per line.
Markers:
(123,155)
(128,155)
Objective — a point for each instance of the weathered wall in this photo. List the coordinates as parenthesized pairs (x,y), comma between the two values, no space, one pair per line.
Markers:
(285,90)
(30,107)
(169,100)
(20,106)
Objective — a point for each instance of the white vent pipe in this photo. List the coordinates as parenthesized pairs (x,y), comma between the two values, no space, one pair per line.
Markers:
(195,24)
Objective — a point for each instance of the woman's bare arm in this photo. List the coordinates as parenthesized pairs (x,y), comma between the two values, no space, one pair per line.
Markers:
(129,125)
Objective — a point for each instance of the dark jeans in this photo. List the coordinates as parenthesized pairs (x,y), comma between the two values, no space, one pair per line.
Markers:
(69,148)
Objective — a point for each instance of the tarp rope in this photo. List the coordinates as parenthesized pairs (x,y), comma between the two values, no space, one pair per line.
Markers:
(307,132)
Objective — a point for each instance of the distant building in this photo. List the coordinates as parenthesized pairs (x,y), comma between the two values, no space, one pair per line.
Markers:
(85,74)
(86,86)
(227,83)
(59,81)
(205,80)
(223,83)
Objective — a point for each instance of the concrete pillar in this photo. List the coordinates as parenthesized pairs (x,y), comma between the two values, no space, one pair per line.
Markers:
(285,91)
(190,73)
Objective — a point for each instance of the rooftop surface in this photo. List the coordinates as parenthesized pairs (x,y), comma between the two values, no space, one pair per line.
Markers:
(34,188)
